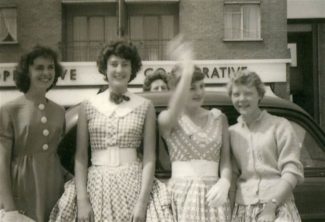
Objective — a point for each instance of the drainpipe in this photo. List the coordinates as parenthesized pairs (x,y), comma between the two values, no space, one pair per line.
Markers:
(121,12)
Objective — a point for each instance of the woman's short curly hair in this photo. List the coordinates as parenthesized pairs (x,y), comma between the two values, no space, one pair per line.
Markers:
(246,78)
(157,74)
(123,49)
(22,79)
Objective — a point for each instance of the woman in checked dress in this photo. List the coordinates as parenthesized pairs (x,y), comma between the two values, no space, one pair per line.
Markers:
(198,145)
(117,186)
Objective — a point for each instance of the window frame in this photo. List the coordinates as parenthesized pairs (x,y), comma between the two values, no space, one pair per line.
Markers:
(16,26)
(241,4)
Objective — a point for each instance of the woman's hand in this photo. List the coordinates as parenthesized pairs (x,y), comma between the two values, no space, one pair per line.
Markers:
(180,50)
(139,212)
(218,194)
(85,211)
(267,214)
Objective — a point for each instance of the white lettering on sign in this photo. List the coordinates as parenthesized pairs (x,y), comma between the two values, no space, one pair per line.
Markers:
(216,71)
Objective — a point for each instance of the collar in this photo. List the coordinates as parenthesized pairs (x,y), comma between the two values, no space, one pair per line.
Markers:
(262,115)
(103,104)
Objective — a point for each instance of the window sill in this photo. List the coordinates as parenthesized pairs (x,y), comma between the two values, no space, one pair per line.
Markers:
(243,40)
(9,43)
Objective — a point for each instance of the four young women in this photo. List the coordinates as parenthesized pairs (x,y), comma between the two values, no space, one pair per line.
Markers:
(119,127)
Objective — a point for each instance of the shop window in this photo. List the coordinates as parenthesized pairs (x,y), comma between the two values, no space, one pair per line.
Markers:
(242,22)
(8,25)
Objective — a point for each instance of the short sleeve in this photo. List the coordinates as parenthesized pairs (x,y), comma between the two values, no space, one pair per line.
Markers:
(6,128)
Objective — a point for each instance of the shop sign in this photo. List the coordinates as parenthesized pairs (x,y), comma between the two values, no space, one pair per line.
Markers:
(216,71)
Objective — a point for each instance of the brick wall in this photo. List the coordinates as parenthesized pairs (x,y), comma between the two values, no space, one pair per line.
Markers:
(202,21)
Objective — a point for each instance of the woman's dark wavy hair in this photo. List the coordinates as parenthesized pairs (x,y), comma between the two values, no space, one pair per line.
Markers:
(197,74)
(157,74)
(22,79)
(123,49)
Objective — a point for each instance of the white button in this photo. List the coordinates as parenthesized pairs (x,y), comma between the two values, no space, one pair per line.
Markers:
(44,119)
(45,147)
(46,132)
(41,106)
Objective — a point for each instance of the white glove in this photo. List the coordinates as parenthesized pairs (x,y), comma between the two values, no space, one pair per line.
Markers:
(15,216)
(218,194)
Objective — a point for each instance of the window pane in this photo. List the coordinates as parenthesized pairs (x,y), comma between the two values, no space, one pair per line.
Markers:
(8,25)
(152,37)
(251,21)
(242,21)
(136,27)
(312,154)
(96,29)
(79,45)
(110,28)
(233,22)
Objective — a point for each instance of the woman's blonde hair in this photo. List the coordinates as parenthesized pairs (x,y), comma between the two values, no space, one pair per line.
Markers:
(246,78)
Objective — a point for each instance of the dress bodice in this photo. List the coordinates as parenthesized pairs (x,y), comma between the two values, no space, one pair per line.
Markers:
(112,125)
(188,141)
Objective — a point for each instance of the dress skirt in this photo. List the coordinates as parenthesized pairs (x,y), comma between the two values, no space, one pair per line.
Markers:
(113,193)
(189,202)
(287,212)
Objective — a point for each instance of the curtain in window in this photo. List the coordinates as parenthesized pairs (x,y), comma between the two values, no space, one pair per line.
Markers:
(233,22)
(242,22)
(8,25)
(251,23)
(150,34)
(79,46)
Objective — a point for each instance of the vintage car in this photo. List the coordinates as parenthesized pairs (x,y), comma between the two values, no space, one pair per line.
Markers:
(309,196)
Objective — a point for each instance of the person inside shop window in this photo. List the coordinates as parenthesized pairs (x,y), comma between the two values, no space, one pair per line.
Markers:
(156,82)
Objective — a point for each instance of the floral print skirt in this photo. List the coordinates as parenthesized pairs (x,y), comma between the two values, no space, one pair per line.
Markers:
(287,212)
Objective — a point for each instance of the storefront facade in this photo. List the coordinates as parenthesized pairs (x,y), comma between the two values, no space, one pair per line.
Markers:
(306,37)
(226,34)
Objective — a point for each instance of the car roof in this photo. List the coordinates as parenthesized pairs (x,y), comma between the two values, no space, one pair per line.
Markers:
(220,98)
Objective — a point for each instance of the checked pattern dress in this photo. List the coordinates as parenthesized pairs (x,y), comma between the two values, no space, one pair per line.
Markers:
(114,190)
(189,142)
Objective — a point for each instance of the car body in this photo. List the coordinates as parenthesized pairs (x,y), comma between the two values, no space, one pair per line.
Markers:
(309,196)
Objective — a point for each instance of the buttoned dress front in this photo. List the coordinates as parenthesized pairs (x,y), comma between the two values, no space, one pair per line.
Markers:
(32,132)
(264,153)
(113,190)
(189,143)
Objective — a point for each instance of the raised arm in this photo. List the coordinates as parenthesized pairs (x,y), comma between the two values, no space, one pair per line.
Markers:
(149,158)
(81,165)
(181,51)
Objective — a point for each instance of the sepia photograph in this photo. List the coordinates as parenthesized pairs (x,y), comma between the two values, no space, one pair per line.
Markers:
(162,110)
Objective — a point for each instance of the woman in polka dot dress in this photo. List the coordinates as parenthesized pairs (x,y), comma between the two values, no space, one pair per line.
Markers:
(119,185)
(31,127)
(198,145)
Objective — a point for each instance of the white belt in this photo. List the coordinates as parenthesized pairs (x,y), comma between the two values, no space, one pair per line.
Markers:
(113,156)
(195,168)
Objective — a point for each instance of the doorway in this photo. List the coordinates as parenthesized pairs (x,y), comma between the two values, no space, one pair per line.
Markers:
(302,79)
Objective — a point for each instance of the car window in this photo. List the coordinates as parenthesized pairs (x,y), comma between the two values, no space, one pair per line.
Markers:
(312,155)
